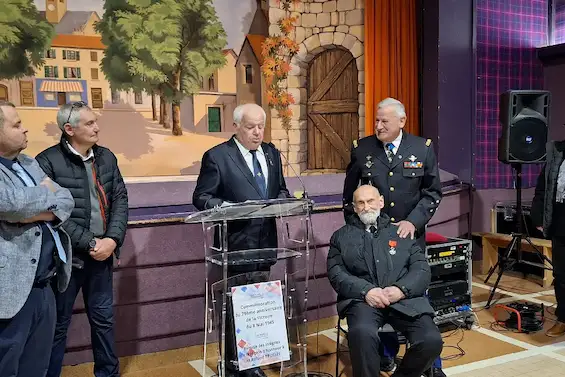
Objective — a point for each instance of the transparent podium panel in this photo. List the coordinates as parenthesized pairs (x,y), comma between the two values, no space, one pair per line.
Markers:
(257,319)
(255,312)
(253,209)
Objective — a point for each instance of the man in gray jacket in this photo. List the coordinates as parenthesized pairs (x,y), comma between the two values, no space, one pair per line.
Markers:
(381,278)
(34,251)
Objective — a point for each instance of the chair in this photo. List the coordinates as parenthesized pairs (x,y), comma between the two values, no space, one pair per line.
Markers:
(386,328)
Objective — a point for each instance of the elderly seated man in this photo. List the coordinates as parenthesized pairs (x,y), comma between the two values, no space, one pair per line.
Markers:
(382,278)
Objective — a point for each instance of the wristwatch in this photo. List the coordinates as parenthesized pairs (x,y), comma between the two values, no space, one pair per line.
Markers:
(92,243)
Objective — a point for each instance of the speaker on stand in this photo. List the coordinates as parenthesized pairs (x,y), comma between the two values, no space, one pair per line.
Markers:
(524,117)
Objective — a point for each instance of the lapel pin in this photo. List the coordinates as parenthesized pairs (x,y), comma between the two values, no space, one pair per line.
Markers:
(412,158)
(369,163)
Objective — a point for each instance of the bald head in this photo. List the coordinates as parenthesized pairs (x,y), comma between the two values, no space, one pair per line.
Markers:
(366,191)
(249,120)
(368,202)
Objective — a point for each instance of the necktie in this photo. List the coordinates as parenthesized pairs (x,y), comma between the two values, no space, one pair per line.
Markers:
(29,182)
(373,229)
(258,173)
(389,151)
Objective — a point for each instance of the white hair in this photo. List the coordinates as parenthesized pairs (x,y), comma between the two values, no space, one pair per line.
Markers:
(239,112)
(398,106)
(2,115)
(74,112)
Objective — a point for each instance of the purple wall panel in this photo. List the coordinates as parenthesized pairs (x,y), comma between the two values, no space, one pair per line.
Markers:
(507,34)
(559,30)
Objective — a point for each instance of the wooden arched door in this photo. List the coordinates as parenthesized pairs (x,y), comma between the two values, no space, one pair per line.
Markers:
(333,109)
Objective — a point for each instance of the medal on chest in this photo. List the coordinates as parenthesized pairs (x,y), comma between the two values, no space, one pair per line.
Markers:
(392,245)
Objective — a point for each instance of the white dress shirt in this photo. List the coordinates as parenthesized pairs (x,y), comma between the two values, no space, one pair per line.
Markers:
(396,143)
(248,157)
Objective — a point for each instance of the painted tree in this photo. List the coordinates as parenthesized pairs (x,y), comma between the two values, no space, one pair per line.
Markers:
(143,35)
(172,44)
(118,54)
(200,52)
(277,51)
(24,37)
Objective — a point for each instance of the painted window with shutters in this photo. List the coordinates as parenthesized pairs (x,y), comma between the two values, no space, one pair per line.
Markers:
(214,119)
(71,55)
(71,73)
(51,71)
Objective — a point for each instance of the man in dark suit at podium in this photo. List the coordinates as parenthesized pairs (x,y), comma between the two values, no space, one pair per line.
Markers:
(240,169)
(243,168)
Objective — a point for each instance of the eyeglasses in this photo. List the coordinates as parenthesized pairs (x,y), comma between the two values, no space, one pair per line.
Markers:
(75,105)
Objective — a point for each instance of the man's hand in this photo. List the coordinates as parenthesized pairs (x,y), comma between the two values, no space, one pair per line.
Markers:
(103,249)
(376,298)
(393,294)
(405,228)
(47,182)
(43,216)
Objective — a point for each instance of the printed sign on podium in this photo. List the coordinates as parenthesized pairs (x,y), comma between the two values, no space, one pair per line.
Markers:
(260,325)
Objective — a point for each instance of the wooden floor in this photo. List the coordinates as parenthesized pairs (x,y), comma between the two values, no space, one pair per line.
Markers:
(485,351)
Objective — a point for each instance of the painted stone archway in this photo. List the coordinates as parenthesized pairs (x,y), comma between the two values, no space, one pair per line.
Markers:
(321,26)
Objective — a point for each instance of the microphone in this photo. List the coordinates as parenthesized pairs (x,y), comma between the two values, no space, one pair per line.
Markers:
(304,194)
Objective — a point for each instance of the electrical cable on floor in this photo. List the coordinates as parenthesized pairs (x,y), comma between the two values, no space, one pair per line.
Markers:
(457,346)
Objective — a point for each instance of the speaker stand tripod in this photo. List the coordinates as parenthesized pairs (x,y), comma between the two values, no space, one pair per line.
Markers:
(504,262)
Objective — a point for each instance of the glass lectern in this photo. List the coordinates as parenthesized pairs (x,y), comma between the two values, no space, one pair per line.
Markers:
(256,316)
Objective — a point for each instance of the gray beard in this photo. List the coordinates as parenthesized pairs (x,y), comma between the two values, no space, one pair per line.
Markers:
(369,217)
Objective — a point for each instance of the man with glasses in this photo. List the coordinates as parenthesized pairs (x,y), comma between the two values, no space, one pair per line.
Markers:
(97,229)
(34,252)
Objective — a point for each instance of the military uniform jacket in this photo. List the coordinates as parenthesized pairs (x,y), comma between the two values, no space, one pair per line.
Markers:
(359,261)
(410,183)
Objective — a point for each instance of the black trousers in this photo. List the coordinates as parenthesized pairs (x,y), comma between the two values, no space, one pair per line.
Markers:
(390,343)
(421,332)
(95,280)
(558,260)
(25,340)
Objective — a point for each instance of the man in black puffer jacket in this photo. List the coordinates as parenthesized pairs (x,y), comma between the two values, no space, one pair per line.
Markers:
(97,228)
(548,215)
(381,278)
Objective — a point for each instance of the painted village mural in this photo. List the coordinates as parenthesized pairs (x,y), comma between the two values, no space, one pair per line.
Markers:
(160,107)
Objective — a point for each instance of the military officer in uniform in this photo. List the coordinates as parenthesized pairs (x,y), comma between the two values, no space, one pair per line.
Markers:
(402,166)
(404,169)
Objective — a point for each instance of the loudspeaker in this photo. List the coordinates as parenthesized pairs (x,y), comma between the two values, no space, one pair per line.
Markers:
(524,116)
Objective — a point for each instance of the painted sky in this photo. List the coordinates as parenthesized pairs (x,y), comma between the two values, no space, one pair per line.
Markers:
(236,20)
